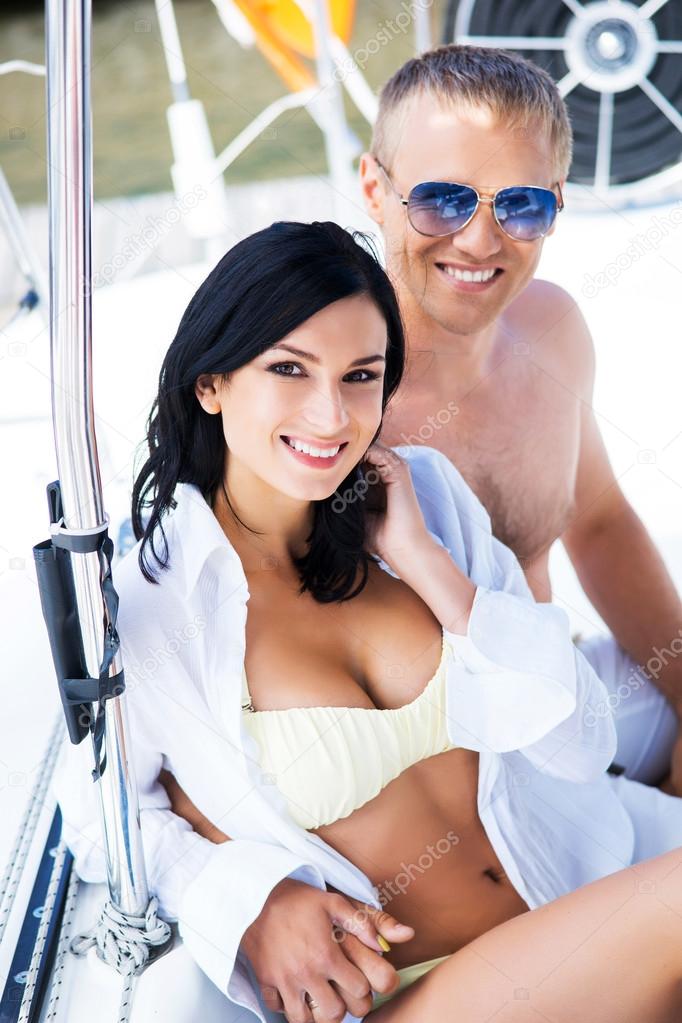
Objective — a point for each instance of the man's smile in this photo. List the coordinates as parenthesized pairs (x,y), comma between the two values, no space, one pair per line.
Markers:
(466,277)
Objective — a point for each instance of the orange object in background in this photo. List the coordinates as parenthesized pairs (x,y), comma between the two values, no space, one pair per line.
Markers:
(284,34)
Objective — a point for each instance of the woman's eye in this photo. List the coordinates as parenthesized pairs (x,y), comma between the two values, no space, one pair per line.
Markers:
(368,375)
(283,366)
(278,365)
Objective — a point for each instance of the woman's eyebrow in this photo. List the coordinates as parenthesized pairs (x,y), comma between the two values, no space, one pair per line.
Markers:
(314,358)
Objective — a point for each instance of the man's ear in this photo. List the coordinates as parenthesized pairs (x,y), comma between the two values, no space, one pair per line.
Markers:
(205,390)
(562,185)
(372,188)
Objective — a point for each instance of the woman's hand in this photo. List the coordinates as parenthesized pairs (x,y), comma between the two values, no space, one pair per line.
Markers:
(399,534)
(400,537)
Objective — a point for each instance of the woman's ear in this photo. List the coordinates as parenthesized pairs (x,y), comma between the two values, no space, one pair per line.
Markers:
(206,393)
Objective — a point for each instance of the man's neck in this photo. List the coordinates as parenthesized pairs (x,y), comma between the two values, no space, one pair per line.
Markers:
(436,356)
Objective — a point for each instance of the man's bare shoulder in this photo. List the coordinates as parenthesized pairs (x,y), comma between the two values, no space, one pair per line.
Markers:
(547,318)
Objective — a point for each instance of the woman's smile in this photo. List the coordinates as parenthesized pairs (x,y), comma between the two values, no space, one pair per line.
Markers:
(310,453)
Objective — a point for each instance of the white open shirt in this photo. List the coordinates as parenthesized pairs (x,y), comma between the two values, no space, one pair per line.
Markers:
(517,692)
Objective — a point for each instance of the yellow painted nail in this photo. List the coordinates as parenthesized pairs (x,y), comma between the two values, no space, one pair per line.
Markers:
(384,944)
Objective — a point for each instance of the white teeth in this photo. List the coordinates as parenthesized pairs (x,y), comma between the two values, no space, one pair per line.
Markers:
(298,445)
(477,276)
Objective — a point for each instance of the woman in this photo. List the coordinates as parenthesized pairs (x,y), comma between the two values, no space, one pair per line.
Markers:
(393,714)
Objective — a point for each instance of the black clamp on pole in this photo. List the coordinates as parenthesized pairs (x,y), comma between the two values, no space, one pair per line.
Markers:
(54,571)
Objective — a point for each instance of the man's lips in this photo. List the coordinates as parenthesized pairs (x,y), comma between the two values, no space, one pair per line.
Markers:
(461,276)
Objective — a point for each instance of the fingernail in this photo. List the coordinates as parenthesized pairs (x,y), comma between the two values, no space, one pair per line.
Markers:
(384,944)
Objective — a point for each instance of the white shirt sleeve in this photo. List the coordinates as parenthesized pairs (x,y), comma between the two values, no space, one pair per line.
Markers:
(214,891)
(516,681)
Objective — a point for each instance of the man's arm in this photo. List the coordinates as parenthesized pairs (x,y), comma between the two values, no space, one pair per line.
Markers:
(616,560)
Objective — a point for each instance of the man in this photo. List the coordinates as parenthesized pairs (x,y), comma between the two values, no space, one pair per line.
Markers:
(500,369)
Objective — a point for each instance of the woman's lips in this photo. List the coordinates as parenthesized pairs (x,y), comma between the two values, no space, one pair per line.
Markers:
(313,460)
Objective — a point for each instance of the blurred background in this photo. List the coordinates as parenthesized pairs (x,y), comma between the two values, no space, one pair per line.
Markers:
(130,93)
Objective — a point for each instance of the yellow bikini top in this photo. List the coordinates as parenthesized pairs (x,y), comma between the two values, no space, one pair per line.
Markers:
(328,761)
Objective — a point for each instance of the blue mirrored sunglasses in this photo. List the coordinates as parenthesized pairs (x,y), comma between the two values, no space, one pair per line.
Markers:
(523,212)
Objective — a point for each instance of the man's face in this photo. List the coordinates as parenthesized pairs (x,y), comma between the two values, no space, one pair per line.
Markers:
(469,146)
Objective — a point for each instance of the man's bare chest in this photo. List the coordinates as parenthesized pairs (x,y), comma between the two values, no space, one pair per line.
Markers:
(517,452)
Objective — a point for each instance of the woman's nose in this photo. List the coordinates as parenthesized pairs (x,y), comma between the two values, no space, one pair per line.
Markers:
(326,409)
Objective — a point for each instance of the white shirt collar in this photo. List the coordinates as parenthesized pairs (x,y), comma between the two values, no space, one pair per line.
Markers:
(197,533)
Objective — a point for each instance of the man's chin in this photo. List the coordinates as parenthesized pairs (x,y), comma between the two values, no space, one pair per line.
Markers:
(473,323)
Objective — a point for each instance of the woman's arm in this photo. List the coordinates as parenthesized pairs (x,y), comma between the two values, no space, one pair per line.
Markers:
(516,680)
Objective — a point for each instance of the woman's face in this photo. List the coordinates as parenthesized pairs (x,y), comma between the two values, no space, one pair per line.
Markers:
(326,395)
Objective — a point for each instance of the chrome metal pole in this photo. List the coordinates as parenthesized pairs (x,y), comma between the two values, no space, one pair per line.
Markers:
(68,28)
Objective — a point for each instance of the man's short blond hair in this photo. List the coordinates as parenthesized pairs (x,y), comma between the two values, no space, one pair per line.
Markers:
(514,89)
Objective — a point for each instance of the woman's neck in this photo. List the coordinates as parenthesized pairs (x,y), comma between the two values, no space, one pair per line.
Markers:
(260,546)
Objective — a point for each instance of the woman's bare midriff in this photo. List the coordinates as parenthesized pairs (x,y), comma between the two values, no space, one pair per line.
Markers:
(420,840)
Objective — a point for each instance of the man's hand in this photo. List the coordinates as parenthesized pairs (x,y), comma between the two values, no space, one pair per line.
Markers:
(324,944)
(305,939)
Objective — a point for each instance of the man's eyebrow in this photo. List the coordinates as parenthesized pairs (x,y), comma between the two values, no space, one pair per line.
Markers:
(314,358)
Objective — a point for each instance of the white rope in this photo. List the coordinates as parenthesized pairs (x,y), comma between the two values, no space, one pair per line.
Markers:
(125,942)
(127,946)
(39,946)
(60,955)
(119,935)
(29,822)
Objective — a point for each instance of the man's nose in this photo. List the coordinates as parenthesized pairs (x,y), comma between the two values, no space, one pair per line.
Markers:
(481,238)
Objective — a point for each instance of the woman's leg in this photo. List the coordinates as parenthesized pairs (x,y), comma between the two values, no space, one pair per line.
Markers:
(610,952)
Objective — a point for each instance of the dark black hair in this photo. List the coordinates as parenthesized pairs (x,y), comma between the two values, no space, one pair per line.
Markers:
(263,288)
